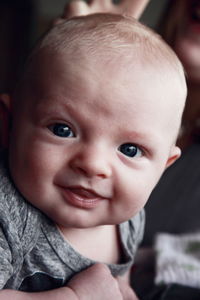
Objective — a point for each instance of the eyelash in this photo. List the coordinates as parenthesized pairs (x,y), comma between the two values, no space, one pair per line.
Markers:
(64,131)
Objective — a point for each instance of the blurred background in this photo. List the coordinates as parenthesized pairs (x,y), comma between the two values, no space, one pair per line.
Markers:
(23,21)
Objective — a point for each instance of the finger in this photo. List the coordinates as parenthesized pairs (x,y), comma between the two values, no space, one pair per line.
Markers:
(132,8)
(75,8)
(96,282)
(103,6)
(126,291)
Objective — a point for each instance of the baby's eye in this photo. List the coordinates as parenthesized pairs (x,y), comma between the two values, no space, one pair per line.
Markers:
(130,150)
(62,130)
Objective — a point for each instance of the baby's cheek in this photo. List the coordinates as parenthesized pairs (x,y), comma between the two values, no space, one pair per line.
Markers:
(41,156)
(134,191)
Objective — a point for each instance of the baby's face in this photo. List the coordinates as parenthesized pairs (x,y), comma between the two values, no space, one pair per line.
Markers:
(91,141)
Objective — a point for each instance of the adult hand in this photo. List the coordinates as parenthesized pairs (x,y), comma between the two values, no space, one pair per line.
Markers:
(96,283)
(126,290)
(132,8)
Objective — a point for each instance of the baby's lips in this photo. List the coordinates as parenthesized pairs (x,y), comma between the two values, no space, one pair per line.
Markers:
(89,194)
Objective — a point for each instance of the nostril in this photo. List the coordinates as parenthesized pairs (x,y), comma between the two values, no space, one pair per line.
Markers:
(90,172)
(103,176)
(81,170)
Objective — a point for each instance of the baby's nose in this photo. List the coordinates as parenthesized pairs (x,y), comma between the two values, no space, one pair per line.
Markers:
(91,162)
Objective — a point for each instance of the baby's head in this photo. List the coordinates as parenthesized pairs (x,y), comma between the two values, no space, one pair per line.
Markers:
(95,119)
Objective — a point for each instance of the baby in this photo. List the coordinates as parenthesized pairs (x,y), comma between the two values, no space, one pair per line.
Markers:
(94,121)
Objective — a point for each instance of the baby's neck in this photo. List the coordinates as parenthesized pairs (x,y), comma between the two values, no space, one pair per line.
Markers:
(99,243)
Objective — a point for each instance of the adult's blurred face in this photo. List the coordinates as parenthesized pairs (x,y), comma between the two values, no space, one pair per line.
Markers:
(187,43)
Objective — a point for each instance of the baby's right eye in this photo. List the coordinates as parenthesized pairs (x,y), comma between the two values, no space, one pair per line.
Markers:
(62,130)
(130,150)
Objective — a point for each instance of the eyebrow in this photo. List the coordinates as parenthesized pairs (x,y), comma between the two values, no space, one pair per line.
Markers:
(146,139)
(52,104)
(135,134)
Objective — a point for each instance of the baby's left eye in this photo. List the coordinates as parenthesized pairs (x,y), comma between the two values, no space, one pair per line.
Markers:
(62,130)
(130,150)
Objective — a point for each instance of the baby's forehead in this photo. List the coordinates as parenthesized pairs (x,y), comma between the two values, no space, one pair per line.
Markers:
(122,60)
(47,63)
(116,69)
(103,41)
(104,36)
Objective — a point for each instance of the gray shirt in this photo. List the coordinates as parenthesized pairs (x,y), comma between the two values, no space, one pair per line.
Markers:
(33,254)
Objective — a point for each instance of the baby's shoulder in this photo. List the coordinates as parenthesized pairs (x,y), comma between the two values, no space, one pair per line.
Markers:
(17,216)
(10,199)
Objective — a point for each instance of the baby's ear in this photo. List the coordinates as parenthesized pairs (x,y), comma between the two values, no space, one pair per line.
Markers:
(174,155)
(5,116)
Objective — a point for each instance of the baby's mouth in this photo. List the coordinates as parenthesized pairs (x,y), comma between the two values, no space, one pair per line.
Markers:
(81,197)
(84,193)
